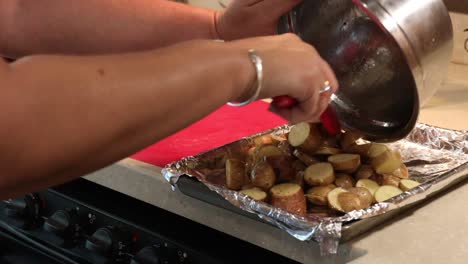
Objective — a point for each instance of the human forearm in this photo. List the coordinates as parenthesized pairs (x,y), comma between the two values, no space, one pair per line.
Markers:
(98,26)
(118,104)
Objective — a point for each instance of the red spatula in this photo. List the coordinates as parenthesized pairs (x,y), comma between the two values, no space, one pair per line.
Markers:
(328,117)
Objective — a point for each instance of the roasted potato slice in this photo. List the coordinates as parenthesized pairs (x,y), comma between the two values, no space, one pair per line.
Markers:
(364,195)
(332,197)
(349,201)
(360,149)
(263,175)
(344,181)
(306,159)
(235,174)
(386,192)
(319,174)
(407,184)
(364,172)
(401,172)
(345,162)
(388,179)
(318,195)
(370,185)
(376,149)
(267,151)
(324,150)
(289,197)
(386,162)
(306,137)
(282,165)
(349,138)
(256,194)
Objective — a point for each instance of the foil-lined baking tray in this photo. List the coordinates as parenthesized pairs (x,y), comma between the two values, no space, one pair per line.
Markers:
(435,157)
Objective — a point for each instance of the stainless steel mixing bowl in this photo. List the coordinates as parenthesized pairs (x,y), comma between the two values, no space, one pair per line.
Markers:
(389,56)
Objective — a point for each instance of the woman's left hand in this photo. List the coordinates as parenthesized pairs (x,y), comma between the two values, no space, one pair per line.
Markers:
(249,18)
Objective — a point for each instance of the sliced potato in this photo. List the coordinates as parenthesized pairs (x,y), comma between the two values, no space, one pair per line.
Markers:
(401,172)
(349,201)
(306,137)
(332,197)
(330,141)
(318,195)
(255,193)
(364,195)
(267,151)
(323,150)
(376,149)
(407,184)
(263,175)
(386,192)
(248,186)
(388,179)
(319,174)
(344,181)
(299,179)
(235,174)
(345,162)
(285,147)
(289,197)
(308,160)
(364,172)
(360,149)
(349,138)
(265,140)
(386,162)
(282,166)
(370,185)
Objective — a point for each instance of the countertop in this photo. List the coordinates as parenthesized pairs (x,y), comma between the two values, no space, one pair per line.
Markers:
(433,233)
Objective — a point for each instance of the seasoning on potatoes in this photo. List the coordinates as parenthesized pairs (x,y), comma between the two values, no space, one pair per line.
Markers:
(319,174)
(406,184)
(349,201)
(318,195)
(370,185)
(386,162)
(289,197)
(235,174)
(386,192)
(344,181)
(332,197)
(263,175)
(364,172)
(306,137)
(308,160)
(255,193)
(348,163)
(388,179)
(364,195)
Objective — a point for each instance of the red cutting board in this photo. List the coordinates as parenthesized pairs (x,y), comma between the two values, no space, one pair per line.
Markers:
(221,127)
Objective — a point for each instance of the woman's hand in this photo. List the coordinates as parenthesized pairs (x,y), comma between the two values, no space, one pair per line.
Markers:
(292,67)
(250,18)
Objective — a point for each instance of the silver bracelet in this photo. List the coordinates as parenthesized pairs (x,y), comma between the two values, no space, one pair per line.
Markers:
(257,61)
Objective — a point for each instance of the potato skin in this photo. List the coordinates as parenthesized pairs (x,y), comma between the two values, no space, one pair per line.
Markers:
(364,195)
(344,181)
(349,201)
(263,175)
(235,174)
(294,202)
(318,195)
(283,167)
(364,172)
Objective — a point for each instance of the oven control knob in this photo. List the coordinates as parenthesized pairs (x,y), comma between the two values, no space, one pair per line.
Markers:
(25,211)
(150,255)
(62,223)
(111,241)
(101,241)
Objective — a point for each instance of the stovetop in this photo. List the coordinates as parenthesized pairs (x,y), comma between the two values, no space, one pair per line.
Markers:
(82,222)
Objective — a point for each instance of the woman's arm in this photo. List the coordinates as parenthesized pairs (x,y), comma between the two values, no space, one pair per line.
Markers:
(62,117)
(98,26)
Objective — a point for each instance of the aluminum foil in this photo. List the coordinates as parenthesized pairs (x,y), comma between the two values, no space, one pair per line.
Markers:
(435,157)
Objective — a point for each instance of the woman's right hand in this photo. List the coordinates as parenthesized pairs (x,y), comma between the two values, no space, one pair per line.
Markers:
(294,68)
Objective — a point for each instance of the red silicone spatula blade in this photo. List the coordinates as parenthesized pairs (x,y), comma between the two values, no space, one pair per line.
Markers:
(328,118)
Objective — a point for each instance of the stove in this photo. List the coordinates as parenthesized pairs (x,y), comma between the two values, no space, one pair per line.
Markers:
(82,222)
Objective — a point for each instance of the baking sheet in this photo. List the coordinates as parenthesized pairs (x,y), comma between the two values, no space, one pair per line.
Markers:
(436,157)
